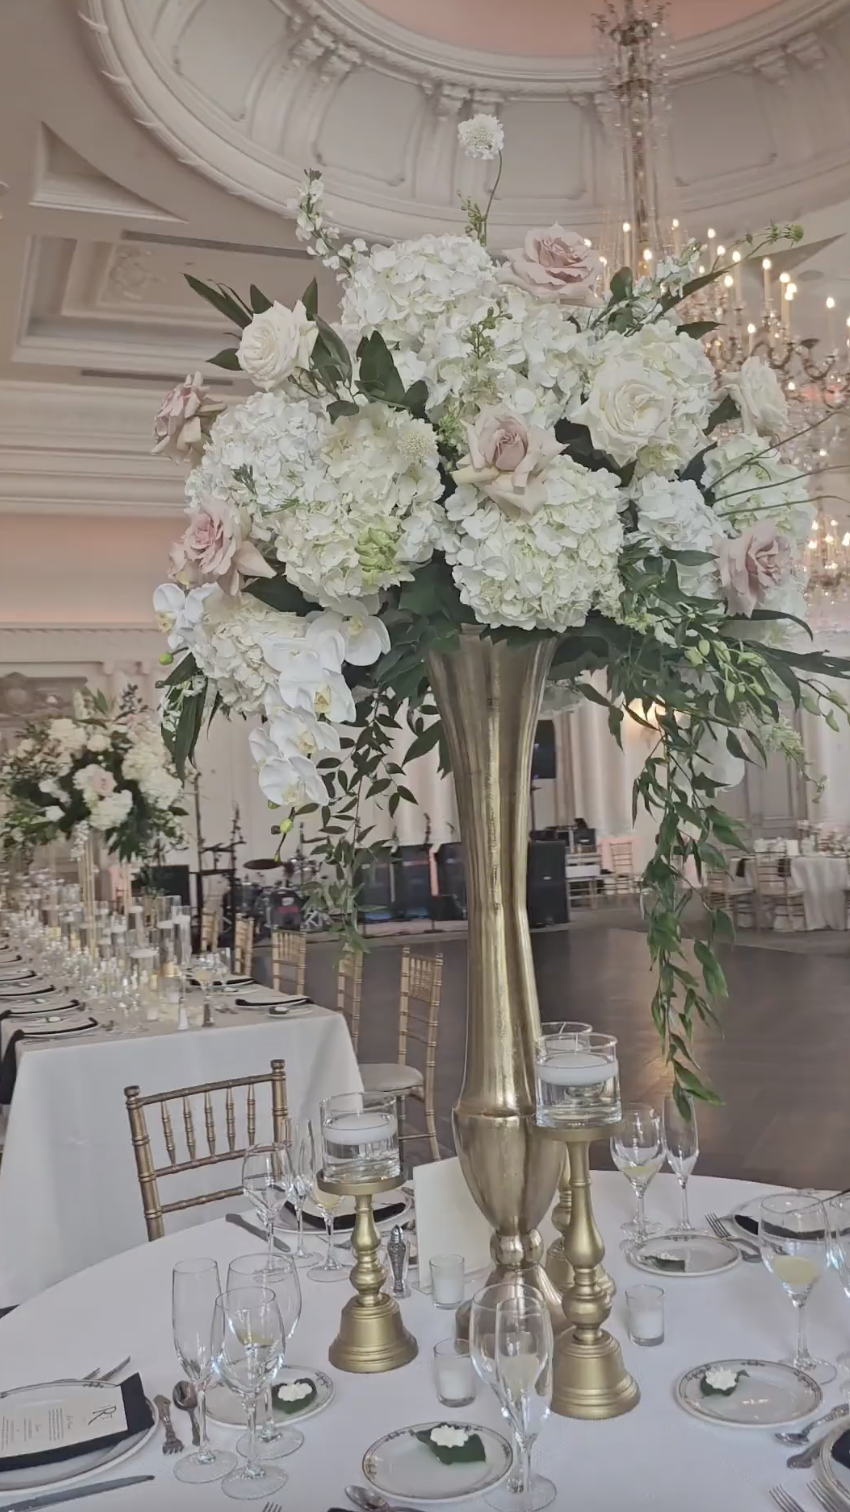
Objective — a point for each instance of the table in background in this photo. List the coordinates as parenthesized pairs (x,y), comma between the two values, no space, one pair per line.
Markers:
(69,1194)
(823,881)
(656,1459)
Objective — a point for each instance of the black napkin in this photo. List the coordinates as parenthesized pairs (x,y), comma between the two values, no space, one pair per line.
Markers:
(9,1063)
(272,1001)
(139,1417)
(343,1222)
(18,1012)
(751,1226)
(841,1449)
(29,992)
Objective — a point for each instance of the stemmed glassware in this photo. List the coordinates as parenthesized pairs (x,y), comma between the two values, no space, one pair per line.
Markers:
(637,1149)
(330,1269)
(299,1175)
(681,1138)
(277,1275)
(195,1286)
(511,1347)
(247,1348)
(265,1182)
(838,1217)
(796,1249)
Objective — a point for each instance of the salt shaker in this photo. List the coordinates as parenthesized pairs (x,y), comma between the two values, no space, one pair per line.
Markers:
(398,1254)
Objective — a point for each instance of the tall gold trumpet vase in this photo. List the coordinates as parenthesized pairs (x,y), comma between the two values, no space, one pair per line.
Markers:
(489,694)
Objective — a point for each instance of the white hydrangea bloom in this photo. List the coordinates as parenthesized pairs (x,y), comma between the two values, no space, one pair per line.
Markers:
(230,647)
(403,289)
(112,810)
(540,572)
(674,515)
(751,482)
(374,518)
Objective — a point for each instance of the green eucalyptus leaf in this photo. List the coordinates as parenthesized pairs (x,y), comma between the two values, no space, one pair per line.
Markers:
(310,299)
(227,358)
(260,302)
(226,304)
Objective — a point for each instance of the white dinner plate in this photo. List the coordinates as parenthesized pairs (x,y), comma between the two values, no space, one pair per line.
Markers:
(833,1473)
(64,1472)
(684,1256)
(224,1407)
(402,1468)
(771,1395)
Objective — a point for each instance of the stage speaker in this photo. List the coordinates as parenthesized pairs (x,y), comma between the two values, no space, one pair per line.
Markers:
(547,898)
(412,882)
(375,886)
(451,875)
(544,762)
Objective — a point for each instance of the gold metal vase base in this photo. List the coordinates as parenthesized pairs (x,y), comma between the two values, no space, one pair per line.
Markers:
(372,1337)
(590,1376)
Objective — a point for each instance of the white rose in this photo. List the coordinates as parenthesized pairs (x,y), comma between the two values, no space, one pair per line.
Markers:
(629,407)
(276,343)
(758,394)
(97,741)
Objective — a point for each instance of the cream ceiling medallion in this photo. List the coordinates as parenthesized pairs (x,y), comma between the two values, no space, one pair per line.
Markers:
(332,83)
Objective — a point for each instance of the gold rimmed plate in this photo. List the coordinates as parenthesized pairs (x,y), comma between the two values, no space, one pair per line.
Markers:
(684,1256)
(404,1469)
(223,1407)
(832,1471)
(768,1394)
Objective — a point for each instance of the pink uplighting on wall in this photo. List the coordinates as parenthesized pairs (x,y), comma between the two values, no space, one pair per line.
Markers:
(81,570)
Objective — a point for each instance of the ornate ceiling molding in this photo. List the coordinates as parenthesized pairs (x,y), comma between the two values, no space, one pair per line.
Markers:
(332,83)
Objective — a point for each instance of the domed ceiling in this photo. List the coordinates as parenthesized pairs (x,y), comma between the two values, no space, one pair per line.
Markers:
(546,28)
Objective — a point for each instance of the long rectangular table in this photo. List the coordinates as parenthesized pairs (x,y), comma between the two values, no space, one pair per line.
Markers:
(69,1195)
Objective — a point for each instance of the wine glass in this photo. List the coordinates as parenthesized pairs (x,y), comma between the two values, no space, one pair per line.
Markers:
(299,1174)
(795,1248)
(277,1275)
(838,1217)
(523,1491)
(524,1349)
(637,1150)
(330,1268)
(194,1288)
(681,1137)
(247,1347)
(265,1182)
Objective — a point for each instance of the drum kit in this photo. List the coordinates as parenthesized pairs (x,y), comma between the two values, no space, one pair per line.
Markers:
(282,903)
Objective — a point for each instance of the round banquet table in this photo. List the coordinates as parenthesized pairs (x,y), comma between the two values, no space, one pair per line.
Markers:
(656,1457)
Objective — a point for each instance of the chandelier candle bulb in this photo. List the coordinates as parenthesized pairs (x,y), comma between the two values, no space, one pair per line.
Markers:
(766,267)
(677,237)
(830,325)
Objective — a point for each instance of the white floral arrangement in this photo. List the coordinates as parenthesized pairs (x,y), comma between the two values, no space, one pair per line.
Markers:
(500,441)
(106,770)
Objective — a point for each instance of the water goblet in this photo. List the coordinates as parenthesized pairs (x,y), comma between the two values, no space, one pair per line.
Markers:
(247,1348)
(524,1491)
(265,1182)
(795,1248)
(277,1275)
(637,1150)
(681,1138)
(330,1269)
(195,1286)
(299,1175)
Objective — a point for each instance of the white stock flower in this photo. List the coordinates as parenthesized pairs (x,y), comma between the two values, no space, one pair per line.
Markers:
(482,136)
(402,290)
(540,572)
(111,811)
(373,518)
(758,394)
(751,482)
(276,343)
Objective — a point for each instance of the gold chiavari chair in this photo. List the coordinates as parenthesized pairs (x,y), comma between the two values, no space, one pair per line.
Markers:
(150,1174)
(622,879)
(243,947)
(418,1020)
(736,895)
(289,957)
(778,898)
(210,928)
(349,991)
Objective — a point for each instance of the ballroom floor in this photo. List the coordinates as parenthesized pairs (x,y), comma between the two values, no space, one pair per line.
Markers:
(782,1062)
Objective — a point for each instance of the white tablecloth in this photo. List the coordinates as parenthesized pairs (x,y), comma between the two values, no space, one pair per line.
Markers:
(823,881)
(69,1195)
(656,1459)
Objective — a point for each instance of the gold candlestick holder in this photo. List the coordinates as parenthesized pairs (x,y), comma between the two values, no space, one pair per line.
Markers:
(558,1267)
(590,1377)
(372,1337)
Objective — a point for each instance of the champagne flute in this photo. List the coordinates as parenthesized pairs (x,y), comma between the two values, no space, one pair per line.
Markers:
(194,1288)
(523,1491)
(299,1174)
(524,1350)
(637,1149)
(277,1275)
(330,1268)
(265,1182)
(247,1348)
(795,1249)
(681,1137)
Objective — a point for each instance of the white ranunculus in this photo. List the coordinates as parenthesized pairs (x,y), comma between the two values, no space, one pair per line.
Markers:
(629,406)
(276,343)
(758,394)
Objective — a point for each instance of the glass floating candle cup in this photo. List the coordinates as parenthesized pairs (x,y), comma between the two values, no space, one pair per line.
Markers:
(360,1137)
(578,1080)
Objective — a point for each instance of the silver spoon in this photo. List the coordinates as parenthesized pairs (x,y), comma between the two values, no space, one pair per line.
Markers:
(370,1501)
(185,1397)
(801,1435)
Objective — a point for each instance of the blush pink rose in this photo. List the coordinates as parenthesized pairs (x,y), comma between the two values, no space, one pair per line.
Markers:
(554,264)
(751,564)
(184,420)
(212,549)
(506,458)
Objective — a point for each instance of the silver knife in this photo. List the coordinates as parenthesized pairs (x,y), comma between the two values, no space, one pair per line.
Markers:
(94,1488)
(258,1233)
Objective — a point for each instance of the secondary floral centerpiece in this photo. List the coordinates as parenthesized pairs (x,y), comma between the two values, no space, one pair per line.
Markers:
(495,455)
(106,770)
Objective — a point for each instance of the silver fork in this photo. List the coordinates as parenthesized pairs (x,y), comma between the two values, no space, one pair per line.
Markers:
(172,1443)
(785,1502)
(272,1507)
(748,1248)
(827,1498)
